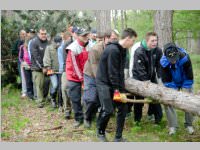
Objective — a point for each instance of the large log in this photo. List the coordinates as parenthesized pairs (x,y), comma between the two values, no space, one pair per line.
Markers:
(181,100)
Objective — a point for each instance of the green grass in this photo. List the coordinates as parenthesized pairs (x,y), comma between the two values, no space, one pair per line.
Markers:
(10,99)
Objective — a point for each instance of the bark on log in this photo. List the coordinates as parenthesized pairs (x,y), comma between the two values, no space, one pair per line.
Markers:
(181,100)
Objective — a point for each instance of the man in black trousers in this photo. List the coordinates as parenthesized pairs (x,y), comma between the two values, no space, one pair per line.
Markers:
(110,78)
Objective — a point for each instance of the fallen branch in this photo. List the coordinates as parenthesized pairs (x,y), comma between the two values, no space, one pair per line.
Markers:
(55,128)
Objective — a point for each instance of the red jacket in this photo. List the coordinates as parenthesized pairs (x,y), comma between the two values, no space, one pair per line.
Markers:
(76,58)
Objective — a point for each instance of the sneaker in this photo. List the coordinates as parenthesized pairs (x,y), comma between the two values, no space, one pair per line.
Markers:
(53,104)
(87,124)
(23,96)
(190,129)
(67,115)
(102,137)
(172,130)
(150,117)
(60,109)
(40,105)
(120,140)
(77,124)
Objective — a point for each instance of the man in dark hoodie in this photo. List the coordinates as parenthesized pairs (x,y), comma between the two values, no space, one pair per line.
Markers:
(146,67)
(109,78)
(177,73)
(37,49)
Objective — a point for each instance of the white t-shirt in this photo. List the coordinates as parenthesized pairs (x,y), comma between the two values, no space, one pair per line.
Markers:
(135,46)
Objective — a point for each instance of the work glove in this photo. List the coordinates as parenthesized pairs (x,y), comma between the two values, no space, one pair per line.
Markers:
(119,97)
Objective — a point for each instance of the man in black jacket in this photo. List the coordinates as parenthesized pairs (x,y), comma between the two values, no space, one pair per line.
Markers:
(37,49)
(110,77)
(146,67)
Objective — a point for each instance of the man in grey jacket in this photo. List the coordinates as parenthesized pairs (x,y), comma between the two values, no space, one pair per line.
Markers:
(38,47)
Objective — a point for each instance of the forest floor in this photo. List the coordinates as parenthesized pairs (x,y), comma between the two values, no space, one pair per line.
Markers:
(22,121)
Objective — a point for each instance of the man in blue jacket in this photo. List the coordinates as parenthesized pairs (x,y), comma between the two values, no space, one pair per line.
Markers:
(177,73)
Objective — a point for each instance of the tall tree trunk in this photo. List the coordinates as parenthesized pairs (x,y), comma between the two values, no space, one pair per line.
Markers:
(198,44)
(163,26)
(115,19)
(189,42)
(122,20)
(181,100)
(125,19)
(103,20)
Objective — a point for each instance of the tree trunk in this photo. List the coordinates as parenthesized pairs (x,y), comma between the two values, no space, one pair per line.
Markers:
(122,20)
(163,26)
(181,100)
(103,20)
(125,19)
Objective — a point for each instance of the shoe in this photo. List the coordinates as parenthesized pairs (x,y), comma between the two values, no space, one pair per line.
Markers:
(87,124)
(40,105)
(150,117)
(77,124)
(67,115)
(102,137)
(172,130)
(128,115)
(120,140)
(23,96)
(190,129)
(60,109)
(53,104)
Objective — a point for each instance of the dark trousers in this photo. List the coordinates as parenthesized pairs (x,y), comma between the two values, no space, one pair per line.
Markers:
(74,93)
(46,86)
(60,100)
(91,110)
(105,97)
(154,109)
(29,83)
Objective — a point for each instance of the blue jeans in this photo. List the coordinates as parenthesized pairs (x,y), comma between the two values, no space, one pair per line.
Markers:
(54,85)
(90,97)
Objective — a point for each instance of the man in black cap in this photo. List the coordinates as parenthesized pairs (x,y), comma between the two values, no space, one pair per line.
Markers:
(76,58)
(176,73)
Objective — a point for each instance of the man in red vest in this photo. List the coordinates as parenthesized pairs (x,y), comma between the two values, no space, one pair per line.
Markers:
(76,58)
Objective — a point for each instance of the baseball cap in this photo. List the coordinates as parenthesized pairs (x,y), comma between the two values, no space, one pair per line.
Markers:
(171,52)
(57,39)
(81,31)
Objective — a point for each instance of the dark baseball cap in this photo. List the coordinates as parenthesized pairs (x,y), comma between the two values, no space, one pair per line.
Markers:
(31,31)
(57,39)
(74,29)
(81,31)
(171,52)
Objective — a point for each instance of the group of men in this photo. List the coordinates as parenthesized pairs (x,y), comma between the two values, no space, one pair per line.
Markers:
(87,68)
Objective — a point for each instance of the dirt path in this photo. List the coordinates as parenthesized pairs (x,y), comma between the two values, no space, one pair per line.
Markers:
(44,124)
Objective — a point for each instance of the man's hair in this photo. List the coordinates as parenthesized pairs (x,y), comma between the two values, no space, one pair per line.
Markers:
(100,34)
(148,34)
(128,33)
(66,33)
(107,33)
(42,29)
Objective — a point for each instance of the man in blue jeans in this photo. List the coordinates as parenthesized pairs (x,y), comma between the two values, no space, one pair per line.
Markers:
(50,61)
